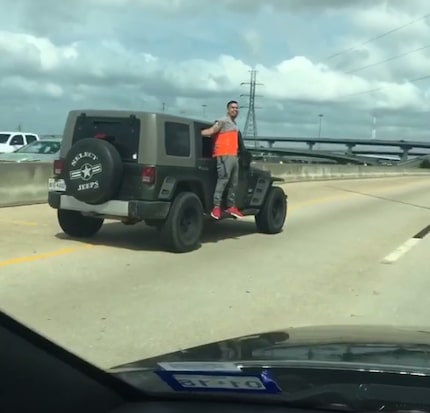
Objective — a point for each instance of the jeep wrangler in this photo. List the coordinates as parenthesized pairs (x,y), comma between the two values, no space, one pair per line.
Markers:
(150,167)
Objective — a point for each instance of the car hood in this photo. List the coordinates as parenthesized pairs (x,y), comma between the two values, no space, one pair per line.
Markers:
(5,148)
(386,345)
(24,157)
(360,368)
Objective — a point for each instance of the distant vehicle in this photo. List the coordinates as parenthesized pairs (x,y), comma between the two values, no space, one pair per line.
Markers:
(44,150)
(11,141)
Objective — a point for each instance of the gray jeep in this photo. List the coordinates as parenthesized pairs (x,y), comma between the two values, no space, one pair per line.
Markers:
(151,167)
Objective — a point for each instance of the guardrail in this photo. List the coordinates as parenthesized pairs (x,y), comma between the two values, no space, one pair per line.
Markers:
(306,172)
(27,183)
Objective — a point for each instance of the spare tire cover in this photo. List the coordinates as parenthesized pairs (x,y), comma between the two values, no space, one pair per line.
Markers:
(93,171)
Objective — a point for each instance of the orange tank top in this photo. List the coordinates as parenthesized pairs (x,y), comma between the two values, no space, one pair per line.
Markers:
(226,143)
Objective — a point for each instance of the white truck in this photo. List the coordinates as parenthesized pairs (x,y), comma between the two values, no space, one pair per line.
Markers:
(11,141)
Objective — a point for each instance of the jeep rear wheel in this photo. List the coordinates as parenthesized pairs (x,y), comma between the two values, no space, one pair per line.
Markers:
(182,230)
(271,217)
(76,225)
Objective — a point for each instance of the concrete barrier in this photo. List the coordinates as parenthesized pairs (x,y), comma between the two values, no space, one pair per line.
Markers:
(27,183)
(24,183)
(303,172)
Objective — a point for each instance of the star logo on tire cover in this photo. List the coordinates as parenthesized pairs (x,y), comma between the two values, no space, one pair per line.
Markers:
(85,172)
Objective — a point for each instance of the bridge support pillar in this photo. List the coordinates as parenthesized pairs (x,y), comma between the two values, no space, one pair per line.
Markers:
(349,148)
(270,143)
(405,153)
(310,145)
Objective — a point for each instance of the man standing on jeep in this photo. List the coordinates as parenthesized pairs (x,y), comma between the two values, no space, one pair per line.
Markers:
(226,146)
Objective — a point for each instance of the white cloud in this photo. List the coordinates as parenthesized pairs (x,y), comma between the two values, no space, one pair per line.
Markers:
(38,51)
(29,87)
(253,42)
(82,64)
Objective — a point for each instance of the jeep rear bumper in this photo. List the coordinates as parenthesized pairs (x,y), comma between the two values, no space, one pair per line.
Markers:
(135,209)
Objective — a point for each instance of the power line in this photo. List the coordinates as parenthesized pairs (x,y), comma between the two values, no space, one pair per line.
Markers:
(389,59)
(372,39)
(418,79)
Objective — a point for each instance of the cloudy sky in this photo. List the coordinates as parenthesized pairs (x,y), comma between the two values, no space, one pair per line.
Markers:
(137,54)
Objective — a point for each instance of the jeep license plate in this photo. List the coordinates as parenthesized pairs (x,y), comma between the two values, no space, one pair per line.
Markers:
(56,185)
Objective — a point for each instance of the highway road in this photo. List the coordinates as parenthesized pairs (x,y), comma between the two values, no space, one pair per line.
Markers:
(345,256)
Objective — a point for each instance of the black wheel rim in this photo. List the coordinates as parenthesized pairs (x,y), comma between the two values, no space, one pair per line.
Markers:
(189,225)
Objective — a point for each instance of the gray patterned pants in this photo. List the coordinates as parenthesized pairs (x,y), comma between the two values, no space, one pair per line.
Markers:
(228,177)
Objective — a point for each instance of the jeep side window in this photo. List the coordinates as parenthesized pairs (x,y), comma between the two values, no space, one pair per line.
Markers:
(204,145)
(177,139)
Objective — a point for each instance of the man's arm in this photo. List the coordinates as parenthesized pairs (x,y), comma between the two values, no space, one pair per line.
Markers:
(215,128)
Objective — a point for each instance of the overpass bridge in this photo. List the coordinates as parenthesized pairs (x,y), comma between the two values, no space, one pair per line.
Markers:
(358,157)
(316,155)
(405,145)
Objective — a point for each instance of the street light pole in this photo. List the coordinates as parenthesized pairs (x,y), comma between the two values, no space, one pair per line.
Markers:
(374,127)
(320,125)
(319,129)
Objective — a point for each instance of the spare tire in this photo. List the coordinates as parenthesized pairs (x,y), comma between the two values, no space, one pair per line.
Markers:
(93,171)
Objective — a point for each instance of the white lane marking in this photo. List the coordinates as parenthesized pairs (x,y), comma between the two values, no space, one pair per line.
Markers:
(400,251)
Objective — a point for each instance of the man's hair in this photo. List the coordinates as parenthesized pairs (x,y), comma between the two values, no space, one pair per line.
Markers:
(231,102)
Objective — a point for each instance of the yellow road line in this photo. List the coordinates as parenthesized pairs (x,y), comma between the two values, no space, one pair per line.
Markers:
(24,223)
(43,256)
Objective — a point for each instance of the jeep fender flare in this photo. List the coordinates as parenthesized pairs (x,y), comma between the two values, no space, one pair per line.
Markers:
(172,186)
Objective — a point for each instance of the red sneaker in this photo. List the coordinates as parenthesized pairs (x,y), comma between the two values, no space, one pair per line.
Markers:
(216,213)
(235,212)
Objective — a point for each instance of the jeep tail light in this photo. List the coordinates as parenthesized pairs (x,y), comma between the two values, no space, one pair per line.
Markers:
(100,136)
(148,175)
(58,166)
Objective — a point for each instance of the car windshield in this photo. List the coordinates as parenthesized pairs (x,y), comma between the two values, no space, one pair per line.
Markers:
(4,137)
(41,147)
(241,185)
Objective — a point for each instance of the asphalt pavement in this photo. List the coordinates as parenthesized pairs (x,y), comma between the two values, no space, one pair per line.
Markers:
(345,256)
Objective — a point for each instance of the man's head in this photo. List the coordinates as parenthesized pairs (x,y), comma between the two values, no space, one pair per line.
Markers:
(233,109)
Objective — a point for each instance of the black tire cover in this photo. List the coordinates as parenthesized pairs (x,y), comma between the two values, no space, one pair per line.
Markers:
(93,171)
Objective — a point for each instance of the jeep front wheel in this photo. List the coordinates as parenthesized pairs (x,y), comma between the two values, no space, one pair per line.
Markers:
(76,225)
(271,217)
(182,230)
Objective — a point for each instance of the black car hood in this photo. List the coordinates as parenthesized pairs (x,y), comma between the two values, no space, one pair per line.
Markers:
(380,345)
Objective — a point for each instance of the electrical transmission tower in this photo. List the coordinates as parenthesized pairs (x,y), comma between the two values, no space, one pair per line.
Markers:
(250,129)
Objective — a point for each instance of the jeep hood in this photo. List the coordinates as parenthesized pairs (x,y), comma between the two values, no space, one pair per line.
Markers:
(375,345)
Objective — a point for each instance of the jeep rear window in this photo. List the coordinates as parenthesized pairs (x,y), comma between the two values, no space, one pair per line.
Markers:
(123,133)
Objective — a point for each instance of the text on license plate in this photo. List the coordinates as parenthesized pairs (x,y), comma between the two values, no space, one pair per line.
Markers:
(58,185)
(219,382)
